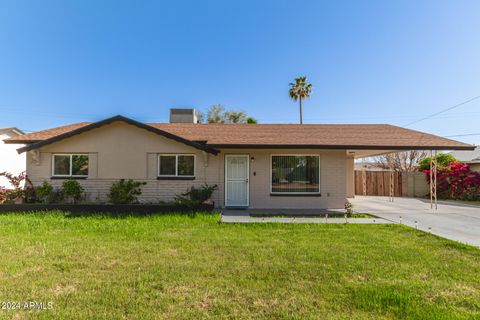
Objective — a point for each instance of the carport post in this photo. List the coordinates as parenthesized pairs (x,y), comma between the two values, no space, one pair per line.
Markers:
(433,179)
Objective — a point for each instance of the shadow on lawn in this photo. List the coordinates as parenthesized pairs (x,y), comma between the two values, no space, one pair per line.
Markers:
(126,214)
(111,210)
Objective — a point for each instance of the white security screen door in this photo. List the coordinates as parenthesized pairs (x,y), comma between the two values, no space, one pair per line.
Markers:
(236,180)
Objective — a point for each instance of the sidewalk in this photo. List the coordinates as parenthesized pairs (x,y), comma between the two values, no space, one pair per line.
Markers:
(244,216)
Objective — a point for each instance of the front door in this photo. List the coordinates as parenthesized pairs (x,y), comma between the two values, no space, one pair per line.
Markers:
(236,180)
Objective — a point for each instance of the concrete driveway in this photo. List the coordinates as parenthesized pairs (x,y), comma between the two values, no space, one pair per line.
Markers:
(453,221)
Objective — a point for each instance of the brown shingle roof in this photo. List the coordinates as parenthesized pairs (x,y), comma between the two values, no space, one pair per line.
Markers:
(46,134)
(351,136)
(341,135)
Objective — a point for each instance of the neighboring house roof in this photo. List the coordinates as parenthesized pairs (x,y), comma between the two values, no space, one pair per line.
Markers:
(467,156)
(14,130)
(328,136)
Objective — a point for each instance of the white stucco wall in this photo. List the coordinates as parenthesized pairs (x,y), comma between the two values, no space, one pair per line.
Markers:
(10,160)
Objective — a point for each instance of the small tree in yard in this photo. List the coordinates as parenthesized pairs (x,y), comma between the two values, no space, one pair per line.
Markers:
(125,191)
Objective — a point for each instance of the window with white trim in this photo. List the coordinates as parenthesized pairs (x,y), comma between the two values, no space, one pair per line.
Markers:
(70,165)
(295,174)
(176,165)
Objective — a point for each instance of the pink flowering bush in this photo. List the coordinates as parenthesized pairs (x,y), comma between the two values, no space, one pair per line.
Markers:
(457,181)
(22,191)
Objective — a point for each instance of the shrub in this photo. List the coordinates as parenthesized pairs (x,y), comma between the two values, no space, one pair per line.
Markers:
(56,196)
(348,208)
(457,181)
(72,189)
(44,191)
(125,191)
(47,194)
(443,162)
(23,190)
(195,196)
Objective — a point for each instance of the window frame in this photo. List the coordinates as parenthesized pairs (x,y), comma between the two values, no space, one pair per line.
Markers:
(70,175)
(302,193)
(176,175)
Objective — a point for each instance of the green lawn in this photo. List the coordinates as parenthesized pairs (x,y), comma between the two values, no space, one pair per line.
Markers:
(193,267)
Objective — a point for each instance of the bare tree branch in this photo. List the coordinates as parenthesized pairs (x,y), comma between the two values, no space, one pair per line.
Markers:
(401,161)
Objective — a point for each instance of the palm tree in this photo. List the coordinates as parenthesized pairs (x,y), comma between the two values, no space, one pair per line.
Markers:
(300,90)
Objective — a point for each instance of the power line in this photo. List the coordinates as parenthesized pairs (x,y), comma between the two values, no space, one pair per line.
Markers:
(442,111)
(463,135)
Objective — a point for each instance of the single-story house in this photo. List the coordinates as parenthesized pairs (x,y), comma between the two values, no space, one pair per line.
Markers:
(470,157)
(254,165)
(10,160)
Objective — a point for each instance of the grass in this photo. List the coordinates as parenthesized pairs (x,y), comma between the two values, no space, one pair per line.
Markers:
(181,267)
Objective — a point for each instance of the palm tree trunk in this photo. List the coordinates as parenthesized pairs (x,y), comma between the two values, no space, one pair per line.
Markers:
(301,120)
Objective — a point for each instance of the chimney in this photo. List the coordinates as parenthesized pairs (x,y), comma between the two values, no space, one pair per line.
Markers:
(183,115)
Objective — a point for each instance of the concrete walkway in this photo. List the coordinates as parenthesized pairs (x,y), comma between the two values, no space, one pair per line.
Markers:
(455,221)
(245,216)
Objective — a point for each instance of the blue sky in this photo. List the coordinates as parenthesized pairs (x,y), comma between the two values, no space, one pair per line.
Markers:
(369,61)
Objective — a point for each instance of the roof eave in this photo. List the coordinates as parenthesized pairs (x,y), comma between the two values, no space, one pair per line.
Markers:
(338,147)
(13,141)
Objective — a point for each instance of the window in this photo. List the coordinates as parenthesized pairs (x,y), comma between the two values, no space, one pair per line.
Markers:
(295,174)
(176,165)
(70,165)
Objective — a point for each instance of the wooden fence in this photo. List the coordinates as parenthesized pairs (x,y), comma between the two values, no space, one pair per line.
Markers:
(378,183)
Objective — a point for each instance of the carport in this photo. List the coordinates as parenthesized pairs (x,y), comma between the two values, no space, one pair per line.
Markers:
(413,141)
